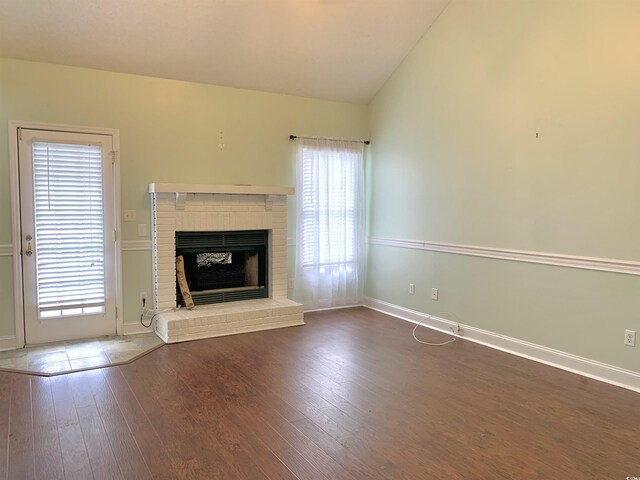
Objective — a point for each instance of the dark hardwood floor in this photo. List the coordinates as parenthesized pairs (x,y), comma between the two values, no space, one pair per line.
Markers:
(349,396)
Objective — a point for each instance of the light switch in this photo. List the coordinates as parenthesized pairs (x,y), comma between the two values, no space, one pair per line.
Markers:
(142,229)
(129,215)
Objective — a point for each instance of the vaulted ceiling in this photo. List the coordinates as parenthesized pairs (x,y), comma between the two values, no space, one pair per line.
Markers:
(331,49)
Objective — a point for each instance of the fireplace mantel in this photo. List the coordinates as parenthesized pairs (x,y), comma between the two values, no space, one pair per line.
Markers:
(220,189)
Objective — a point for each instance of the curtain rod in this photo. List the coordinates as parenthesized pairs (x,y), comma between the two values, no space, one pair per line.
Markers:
(366,142)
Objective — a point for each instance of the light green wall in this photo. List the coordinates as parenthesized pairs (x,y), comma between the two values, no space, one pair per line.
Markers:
(169,132)
(455,158)
(137,267)
(7,323)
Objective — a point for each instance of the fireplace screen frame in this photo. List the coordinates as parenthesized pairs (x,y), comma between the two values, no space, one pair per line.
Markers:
(189,244)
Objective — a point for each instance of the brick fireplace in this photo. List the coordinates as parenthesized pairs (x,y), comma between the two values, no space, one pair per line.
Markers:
(220,208)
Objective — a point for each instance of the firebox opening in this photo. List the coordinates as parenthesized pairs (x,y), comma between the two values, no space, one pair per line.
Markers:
(223,266)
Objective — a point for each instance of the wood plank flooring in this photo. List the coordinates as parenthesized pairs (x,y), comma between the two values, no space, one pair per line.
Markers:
(348,396)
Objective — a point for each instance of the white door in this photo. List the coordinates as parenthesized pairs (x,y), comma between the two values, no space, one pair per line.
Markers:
(68,241)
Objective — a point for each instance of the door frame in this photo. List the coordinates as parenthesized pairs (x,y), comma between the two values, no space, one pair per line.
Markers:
(16,229)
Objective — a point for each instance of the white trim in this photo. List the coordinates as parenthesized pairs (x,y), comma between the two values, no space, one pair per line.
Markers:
(334,308)
(561,260)
(16,235)
(223,189)
(13,128)
(6,250)
(555,358)
(135,328)
(8,342)
(132,245)
(117,223)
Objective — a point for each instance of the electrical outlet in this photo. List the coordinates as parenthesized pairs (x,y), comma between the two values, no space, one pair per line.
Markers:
(630,338)
(412,289)
(434,294)
(143,297)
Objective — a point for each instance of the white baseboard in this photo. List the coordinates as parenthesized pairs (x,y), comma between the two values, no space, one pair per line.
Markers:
(8,342)
(333,308)
(555,358)
(135,328)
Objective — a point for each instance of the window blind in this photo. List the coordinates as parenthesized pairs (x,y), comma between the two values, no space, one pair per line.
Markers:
(329,209)
(69,229)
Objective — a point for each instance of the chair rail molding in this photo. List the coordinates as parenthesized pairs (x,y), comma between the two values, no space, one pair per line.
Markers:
(6,250)
(133,245)
(560,260)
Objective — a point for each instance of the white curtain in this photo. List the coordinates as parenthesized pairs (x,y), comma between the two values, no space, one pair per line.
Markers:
(330,226)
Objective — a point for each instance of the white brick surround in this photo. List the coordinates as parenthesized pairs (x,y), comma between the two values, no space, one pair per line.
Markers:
(220,208)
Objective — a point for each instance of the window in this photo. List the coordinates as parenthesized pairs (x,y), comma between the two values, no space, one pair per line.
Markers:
(330,222)
(69,228)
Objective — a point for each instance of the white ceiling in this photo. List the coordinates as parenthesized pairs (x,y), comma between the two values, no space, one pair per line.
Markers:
(331,49)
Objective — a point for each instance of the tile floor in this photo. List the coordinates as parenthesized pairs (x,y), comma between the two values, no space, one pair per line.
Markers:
(63,357)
